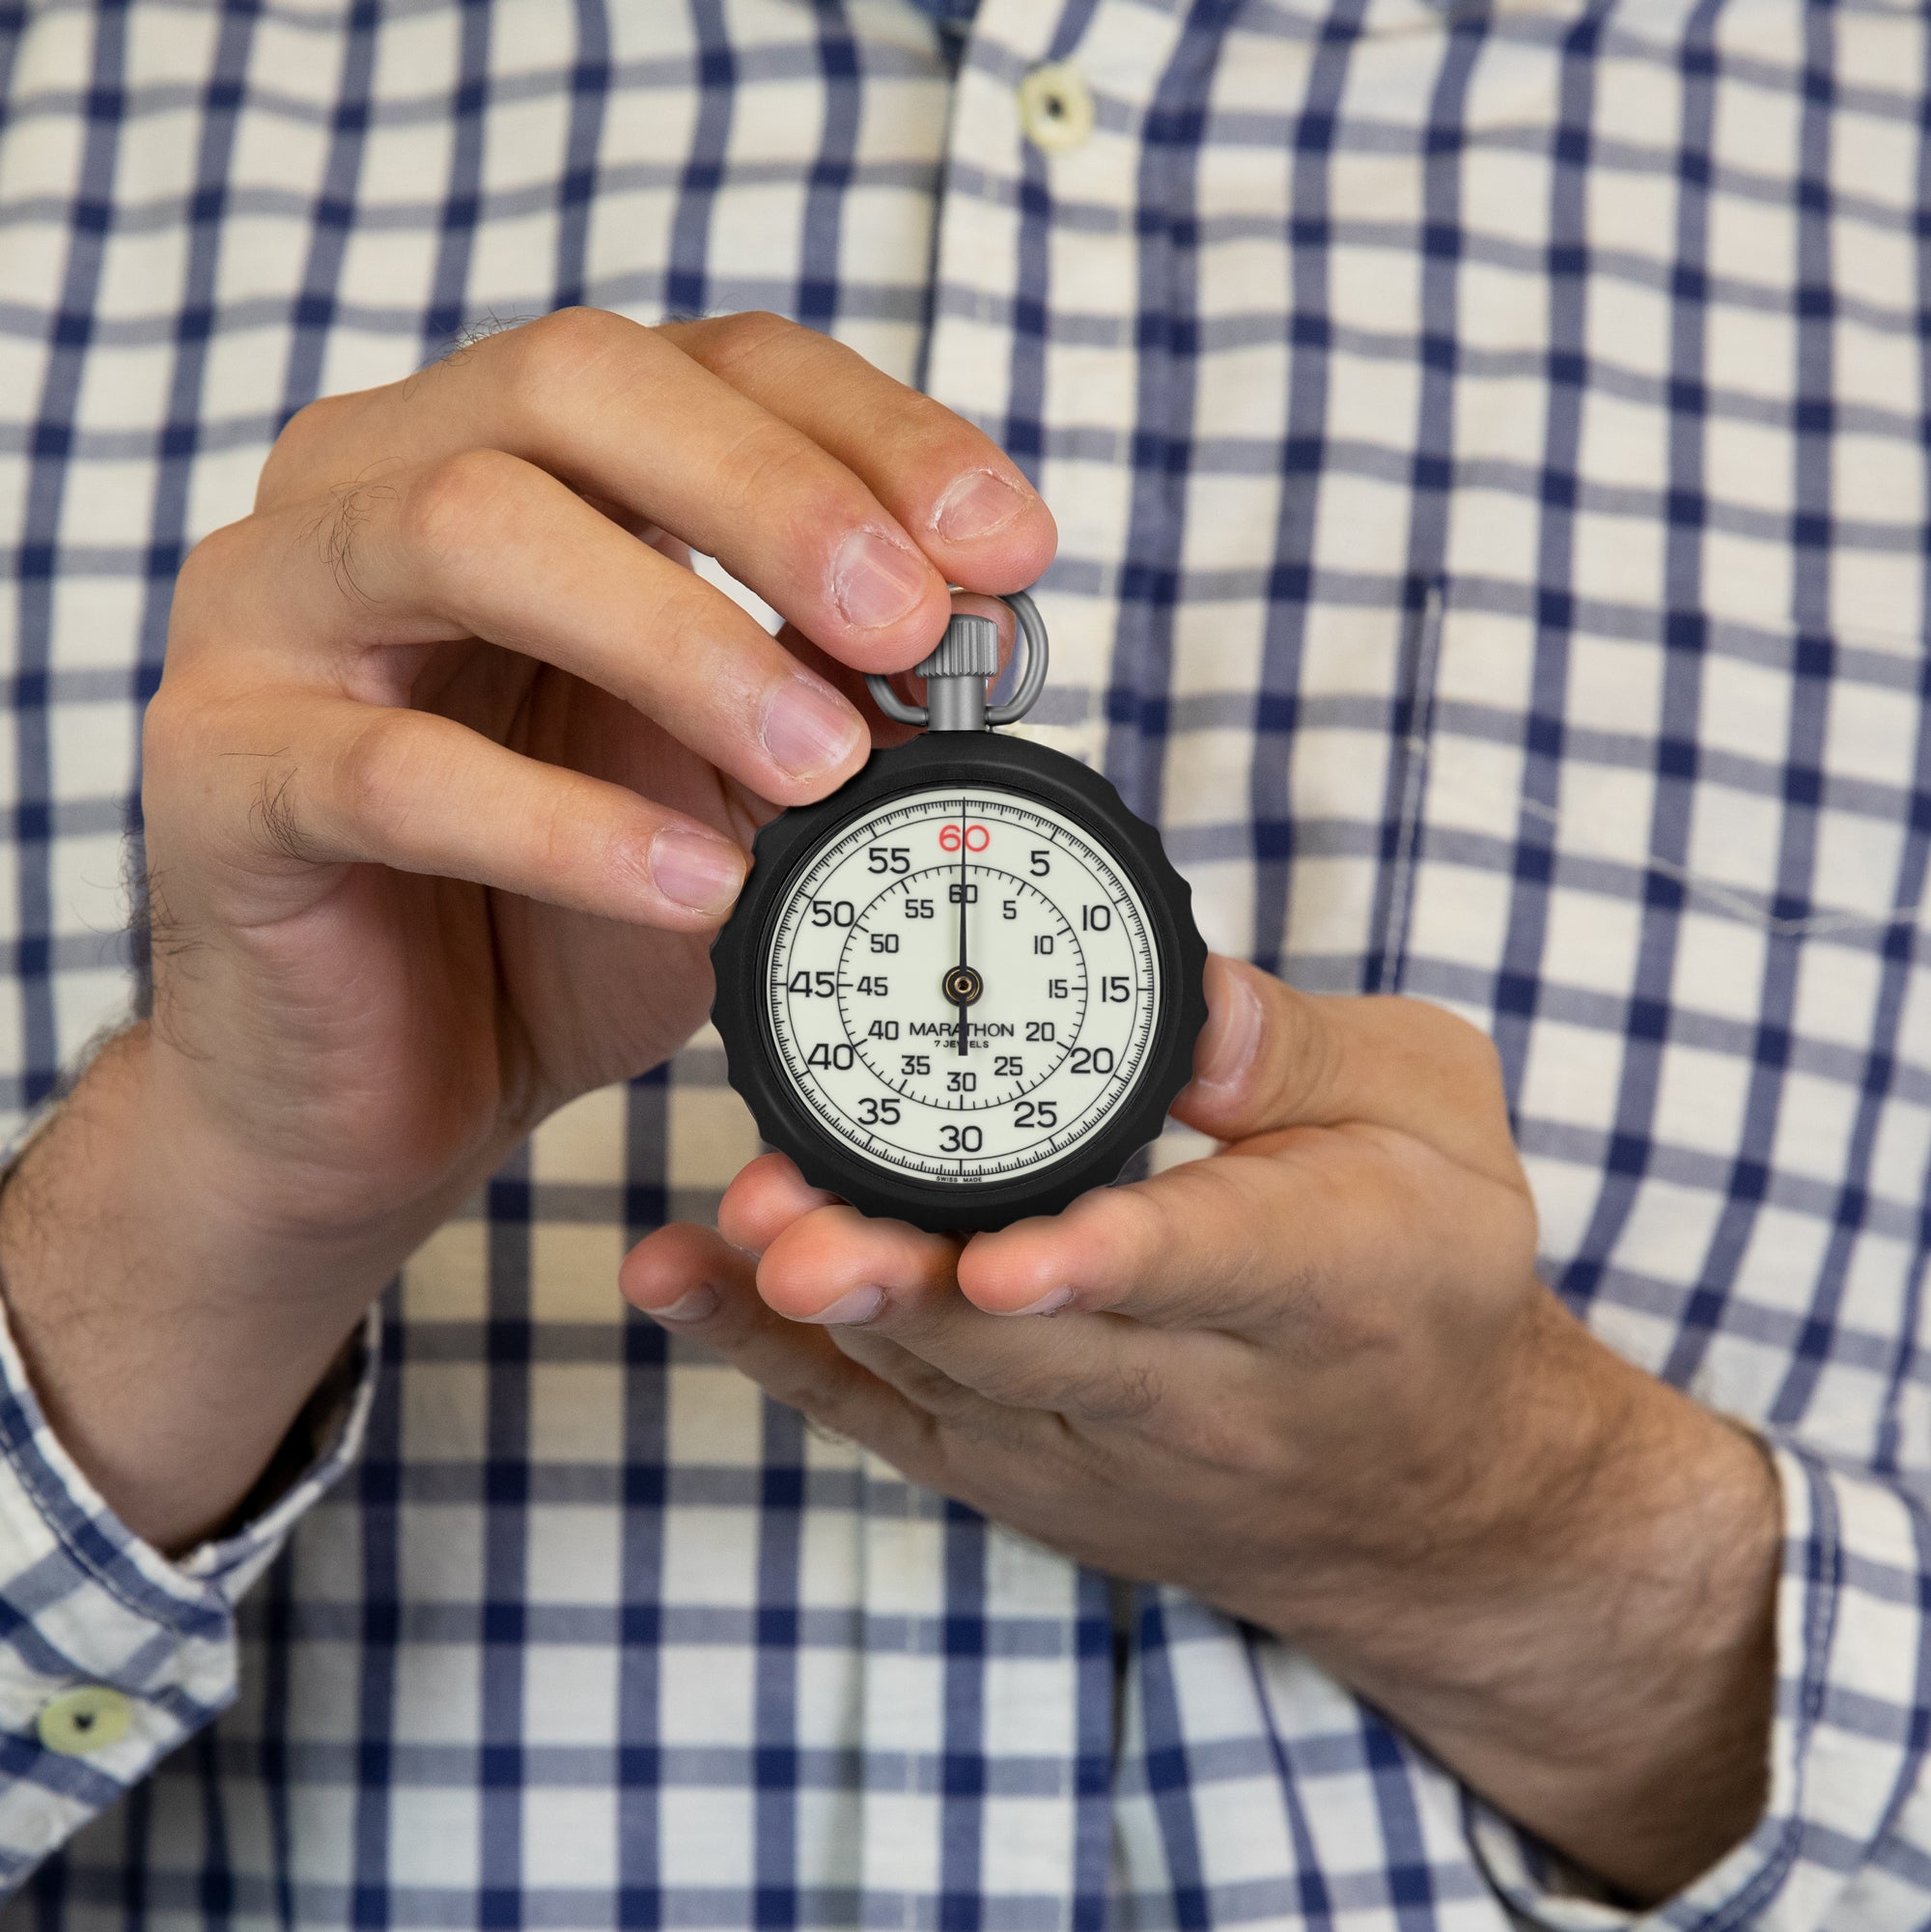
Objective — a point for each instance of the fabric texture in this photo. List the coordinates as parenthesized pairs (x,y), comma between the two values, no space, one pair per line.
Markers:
(1488,444)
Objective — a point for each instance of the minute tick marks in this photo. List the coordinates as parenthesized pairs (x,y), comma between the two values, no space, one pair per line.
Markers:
(965,986)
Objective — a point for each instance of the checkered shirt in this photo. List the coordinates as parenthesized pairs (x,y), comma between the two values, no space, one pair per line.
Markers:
(1490,445)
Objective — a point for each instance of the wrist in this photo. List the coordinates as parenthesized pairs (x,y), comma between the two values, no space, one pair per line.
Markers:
(300,1159)
(1587,1635)
(170,1330)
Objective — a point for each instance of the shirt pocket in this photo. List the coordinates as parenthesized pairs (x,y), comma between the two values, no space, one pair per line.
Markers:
(1676,867)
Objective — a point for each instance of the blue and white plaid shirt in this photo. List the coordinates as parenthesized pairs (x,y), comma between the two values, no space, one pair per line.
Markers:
(1490,443)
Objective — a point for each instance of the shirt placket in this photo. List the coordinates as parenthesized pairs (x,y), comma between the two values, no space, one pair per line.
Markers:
(1041,281)
(989,1711)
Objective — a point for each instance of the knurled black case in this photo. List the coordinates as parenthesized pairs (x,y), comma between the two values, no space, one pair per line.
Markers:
(786,845)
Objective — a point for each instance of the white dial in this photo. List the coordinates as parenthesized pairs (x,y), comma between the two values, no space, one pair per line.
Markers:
(962,985)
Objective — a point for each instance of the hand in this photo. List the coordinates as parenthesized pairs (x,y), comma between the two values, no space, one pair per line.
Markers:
(448,781)
(1315,1380)
(454,760)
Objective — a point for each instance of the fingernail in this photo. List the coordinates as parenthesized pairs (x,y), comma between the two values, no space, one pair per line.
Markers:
(696,870)
(808,726)
(1233,1035)
(876,580)
(976,505)
(859,1305)
(1049,1304)
(691,1307)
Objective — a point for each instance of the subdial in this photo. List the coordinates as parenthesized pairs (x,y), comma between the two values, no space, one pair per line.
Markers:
(961,987)
(966,1038)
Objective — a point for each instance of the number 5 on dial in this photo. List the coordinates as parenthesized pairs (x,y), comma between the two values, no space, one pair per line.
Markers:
(1022,1045)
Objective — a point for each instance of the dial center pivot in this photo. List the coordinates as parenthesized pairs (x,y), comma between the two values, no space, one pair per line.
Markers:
(959,859)
(962,985)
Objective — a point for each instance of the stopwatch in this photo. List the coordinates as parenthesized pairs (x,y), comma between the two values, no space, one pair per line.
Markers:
(966,986)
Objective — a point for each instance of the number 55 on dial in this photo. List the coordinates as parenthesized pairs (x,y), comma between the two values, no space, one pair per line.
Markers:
(965,987)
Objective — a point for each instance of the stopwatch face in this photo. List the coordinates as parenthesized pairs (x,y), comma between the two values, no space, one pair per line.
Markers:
(962,984)
(965,987)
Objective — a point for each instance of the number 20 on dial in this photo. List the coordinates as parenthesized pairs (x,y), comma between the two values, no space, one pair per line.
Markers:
(965,987)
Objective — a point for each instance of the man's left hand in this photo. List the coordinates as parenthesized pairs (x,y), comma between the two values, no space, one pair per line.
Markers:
(1315,1380)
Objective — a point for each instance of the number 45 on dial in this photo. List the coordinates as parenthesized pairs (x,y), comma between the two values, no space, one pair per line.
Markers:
(965,987)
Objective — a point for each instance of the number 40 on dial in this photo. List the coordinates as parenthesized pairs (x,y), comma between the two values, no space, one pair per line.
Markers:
(965,987)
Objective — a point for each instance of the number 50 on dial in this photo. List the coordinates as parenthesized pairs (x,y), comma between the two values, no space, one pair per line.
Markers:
(965,987)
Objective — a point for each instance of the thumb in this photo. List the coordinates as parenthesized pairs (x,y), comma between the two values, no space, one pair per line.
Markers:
(1258,1065)
(1270,1057)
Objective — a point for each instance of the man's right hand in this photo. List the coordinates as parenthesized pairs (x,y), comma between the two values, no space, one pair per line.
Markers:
(448,780)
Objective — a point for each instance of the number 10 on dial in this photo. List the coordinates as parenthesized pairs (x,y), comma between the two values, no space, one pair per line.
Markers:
(965,987)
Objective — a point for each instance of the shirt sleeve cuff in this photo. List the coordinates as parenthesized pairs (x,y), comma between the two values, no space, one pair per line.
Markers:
(1847,1747)
(112,1655)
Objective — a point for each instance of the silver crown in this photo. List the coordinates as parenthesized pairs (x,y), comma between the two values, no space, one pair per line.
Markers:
(969,649)
(955,674)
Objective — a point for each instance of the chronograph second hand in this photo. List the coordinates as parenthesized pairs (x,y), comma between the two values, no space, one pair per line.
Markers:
(962,981)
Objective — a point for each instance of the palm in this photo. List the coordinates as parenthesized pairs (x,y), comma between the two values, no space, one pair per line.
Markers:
(421,1025)
(593,1001)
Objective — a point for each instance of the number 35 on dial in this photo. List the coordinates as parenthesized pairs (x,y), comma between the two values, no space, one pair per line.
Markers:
(961,1000)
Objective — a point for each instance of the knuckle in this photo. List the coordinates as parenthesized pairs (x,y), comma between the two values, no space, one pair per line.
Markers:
(301,448)
(1318,1332)
(769,464)
(821,1431)
(683,628)
(1454,1044)
(1127,1224)
(1481,1057)
(722,343)
(559,350)
(370,772)
(1506,1234)
(805,501)
(565,832)
(1129,1396)
(1312,1053)
(204,579)
(1014,1383)
(1456,1039)
(828,1393)
(169,732)
(819,1391)
(454,506)
(932,1389)
(1216,1437)
(1455,1063)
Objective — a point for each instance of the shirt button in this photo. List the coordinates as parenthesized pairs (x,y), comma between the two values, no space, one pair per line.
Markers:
(1055,106)
(90,1717)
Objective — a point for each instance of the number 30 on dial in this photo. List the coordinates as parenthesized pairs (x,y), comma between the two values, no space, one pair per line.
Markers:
(965,988)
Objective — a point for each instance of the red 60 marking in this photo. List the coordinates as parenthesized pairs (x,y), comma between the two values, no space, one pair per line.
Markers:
(977,838)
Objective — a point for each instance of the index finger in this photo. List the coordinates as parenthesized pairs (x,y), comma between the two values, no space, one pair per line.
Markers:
(627,415)
(967,504)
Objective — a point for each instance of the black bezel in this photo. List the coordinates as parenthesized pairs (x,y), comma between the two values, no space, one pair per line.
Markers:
(787,844)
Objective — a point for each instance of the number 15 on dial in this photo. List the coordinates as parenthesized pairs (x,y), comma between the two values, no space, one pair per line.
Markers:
(965,987)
